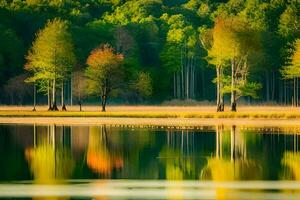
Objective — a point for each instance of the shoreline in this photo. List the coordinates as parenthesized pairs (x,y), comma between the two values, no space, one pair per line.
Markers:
(157,123)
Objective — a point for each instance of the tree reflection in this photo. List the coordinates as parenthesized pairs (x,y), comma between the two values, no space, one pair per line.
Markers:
(291,162)
(230,161)
(101,157)
(178,155)
(50,159)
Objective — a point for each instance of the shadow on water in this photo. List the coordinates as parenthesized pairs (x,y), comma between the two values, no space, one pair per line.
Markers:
(61,162)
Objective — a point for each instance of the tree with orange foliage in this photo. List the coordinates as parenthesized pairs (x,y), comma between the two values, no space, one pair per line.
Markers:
(105,72)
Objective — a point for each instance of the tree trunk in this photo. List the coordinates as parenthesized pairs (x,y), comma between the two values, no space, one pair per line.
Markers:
(233,91)
(49,97)
(294,94)
(34,97)
(54,106)
(71,91)
(103,102)
(174,85)
(273,86)
(63,98)
(178,85)
(267,87)
(218,89)
(285,93)
(187,78)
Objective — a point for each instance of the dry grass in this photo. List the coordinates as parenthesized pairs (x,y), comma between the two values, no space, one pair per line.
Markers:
(204,112)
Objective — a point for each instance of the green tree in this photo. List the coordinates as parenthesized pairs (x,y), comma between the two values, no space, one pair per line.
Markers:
(235,42)
(289,23)
(105,72)
(292,69)
(51,58)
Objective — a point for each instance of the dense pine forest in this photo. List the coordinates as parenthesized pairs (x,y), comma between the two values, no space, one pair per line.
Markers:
(149,51)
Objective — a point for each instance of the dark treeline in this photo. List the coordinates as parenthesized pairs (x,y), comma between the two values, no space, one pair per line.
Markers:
(171,49)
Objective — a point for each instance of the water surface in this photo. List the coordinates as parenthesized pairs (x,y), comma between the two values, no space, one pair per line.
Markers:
(102,162)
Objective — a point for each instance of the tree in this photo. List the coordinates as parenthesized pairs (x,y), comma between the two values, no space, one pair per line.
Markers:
(206,40)
(179,55)
(142,86)
(292,69)
(79,84)
(235,42)
(289,23)
(51,58)
(105,72)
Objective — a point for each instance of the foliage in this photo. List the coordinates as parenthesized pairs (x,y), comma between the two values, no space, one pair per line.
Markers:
(153,36)
(143,85)
(292,70)
(51,56)
(105,71)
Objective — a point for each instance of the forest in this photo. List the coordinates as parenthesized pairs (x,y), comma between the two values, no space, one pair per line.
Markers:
(149,52)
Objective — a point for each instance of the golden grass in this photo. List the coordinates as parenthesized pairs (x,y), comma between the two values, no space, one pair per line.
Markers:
(162,113)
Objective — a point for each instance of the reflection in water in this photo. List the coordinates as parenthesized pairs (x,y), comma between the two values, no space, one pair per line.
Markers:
(102,158)
(178,155)
(230,161)
(60,154)
(50,159)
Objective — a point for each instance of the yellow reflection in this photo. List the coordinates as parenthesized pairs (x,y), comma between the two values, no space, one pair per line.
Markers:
(179,161)
(291,163)
(49,161)
(291,160)
(230,165)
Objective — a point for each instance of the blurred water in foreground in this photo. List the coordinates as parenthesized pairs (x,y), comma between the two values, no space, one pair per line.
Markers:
(101,162)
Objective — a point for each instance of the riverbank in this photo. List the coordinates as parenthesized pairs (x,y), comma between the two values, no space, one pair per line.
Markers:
(188,112)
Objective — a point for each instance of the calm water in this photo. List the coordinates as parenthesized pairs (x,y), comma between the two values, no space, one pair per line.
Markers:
(99,162)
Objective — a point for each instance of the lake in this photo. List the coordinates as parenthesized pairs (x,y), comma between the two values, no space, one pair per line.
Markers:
(105,162)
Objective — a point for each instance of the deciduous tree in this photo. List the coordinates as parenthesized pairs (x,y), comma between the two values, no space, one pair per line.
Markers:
(105,72)
(51,58)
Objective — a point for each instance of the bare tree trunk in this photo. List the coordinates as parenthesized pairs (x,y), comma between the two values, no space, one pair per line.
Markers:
(192,79)
(178,85)
(218,89)
(71,91)
(187,78)
(297,92)
(203,82)
(233,91)
(273,86)
(267,87)
(221,93)
(63,97)
(285,93)
(54,106)
(34,97)
(294,94)
(49,97)
(174,86)
(103,102)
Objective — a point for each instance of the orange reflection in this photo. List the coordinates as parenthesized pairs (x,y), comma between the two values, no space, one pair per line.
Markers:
(99,158)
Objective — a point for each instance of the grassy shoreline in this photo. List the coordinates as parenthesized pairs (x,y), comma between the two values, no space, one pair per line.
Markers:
(186,112)
(160,114)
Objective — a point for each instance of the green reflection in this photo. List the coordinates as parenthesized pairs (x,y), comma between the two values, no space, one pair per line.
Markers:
(178,156)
